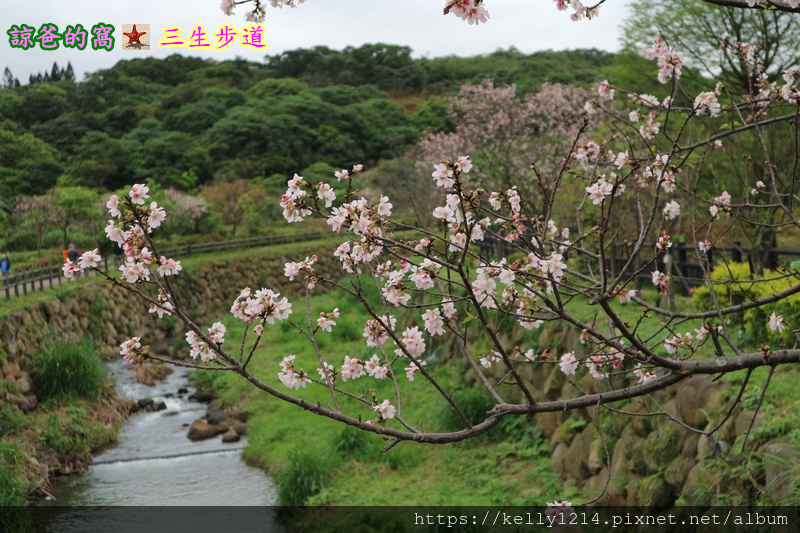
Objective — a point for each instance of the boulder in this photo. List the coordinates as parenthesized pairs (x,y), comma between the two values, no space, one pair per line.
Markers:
(697,483)
(230,436)
(156,406)
(24,383)
(237,413)
(239,427)
(595,484)
(26,402)
(557,459)
(199,430)
(696,398)
(203,396)
(781,464)
(215,416)
(144,402)
(744,419)
(677,472)
(662,445)
(549,422)
(576,460)
(10,370)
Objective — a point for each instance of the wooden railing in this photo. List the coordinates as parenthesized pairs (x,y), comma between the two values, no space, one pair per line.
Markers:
(682,263)
(46,277)
(686,271)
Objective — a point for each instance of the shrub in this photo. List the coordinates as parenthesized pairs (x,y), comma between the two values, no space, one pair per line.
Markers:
(754,321)
(303,477)
(68,370)
(473,402)
(727,291)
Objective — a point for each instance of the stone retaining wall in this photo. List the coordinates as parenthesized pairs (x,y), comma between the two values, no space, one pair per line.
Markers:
(111,315)
(654,460)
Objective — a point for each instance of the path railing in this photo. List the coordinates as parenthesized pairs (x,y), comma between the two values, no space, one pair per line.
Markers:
(46,277)
(681,261)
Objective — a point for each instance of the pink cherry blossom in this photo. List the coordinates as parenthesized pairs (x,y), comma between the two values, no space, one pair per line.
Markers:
(168,267)
(352,368)
(386,409)
(139,193)
(433,322)
(776,322)
(375,368)
(706,101)
(626,295)
(568,364)
(89,259)
(326,193)
(227,6)
(672,210)
(605,90)
(113,206)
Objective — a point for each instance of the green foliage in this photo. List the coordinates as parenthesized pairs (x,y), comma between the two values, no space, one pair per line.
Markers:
(74,432)
(13,485)
(11,419)
(28,165)
(68,369)
(353,442)
(202,379)
(569,428)
(474,403)
(302,477)
(734,284)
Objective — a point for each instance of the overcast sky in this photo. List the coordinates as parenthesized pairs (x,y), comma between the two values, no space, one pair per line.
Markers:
(529,25)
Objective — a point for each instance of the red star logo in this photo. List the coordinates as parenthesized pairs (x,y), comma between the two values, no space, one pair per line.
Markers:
(134,35)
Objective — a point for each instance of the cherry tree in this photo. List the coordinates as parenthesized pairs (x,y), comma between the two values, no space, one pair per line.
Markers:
(476,12)
(505,134)
(38,212)
(646,165)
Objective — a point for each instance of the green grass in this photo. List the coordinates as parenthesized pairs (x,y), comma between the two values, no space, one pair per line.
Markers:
(13,483)
(73,431)
(68,369)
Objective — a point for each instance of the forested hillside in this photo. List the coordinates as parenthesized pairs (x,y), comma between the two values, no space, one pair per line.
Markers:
(186,125)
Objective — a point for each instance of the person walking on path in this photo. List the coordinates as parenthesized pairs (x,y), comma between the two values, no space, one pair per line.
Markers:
(5,263)
(72,255)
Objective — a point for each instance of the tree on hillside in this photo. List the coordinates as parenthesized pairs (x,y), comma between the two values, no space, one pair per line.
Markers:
(230,199)
(39,212)
(78,206)
(9,81)
(748,51)
(505,134)
(700,29)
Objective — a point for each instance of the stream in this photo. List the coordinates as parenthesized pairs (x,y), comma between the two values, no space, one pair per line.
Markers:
(155,464)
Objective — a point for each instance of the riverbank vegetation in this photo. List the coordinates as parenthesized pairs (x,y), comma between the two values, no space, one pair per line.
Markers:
(78,413)
(317,461)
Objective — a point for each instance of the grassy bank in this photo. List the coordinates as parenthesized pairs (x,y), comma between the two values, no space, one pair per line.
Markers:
(78,414)
(318,461)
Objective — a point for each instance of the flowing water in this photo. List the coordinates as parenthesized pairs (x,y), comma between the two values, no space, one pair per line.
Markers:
(154,463)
